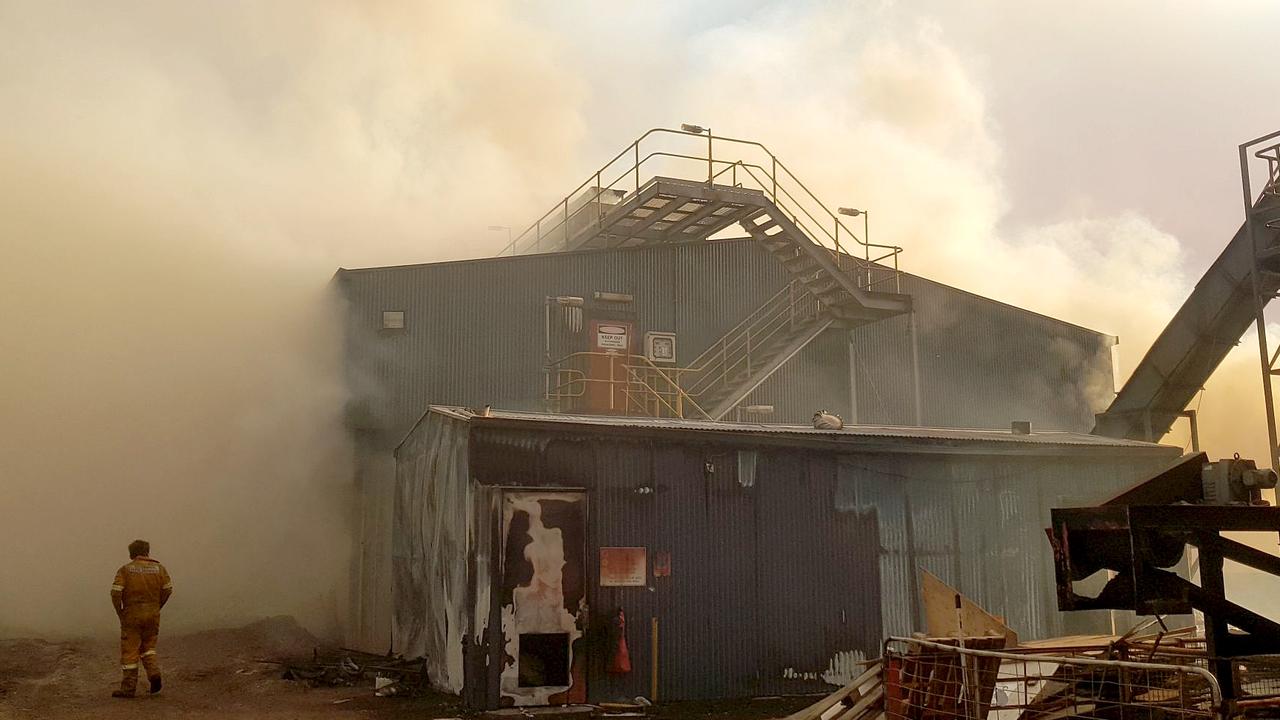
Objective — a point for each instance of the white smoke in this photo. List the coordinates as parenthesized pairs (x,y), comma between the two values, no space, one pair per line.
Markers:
(178,183)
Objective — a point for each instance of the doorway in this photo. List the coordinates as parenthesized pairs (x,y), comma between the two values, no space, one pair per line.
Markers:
(543,596)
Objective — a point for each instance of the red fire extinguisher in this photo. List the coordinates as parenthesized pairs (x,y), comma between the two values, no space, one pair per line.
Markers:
(620,663)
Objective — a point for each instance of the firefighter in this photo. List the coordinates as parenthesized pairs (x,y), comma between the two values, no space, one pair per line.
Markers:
(140,589)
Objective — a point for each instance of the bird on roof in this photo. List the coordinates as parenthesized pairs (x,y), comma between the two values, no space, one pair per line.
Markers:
(823,420)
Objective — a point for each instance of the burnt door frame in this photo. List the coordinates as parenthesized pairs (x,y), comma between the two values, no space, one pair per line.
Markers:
(511,688)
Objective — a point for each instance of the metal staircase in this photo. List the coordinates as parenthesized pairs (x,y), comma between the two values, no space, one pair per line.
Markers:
(839,279)
(743,358)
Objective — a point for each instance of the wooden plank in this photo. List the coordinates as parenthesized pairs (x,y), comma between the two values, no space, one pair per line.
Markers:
(817,709)
(866,703)
(939,600)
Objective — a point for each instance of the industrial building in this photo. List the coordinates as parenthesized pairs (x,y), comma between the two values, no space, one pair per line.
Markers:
(746,559)
(651,352)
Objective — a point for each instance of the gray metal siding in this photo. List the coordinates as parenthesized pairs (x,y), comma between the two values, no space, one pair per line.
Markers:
(777,586)
(977,523)
(982,364)
(716,286)
(475,335)
(369,619)
(815,379)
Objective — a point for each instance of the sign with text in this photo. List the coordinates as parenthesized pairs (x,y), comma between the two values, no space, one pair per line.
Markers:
(612,337)
(623,567)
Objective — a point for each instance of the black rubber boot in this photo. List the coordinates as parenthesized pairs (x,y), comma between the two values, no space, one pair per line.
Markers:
(156,684)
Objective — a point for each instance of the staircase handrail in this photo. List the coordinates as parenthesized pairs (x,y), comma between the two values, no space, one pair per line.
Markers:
(761,326)
(1272,186)
(700,361)
(770,185)
(867,260)
(630,363)
(632,370)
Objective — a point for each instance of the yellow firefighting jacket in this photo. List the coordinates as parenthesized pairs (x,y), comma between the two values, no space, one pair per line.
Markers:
(143,584)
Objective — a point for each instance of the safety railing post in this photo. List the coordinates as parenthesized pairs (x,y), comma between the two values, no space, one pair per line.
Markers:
(599,199)
(724,357)
(636,146)
(774,175)
(564,225)
(791,303)
(866,244)
(711,171)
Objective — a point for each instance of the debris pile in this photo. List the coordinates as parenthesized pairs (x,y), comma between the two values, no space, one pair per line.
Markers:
(1090,677)
(389,675)
(970,665)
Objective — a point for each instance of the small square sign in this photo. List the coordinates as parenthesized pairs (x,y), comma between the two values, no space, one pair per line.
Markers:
(660,347)
(662,564)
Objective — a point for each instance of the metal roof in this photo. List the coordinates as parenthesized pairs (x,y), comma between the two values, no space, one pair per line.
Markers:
(960,440)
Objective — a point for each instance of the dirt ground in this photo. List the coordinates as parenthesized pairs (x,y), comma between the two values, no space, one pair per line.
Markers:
(218,674)
(213,674)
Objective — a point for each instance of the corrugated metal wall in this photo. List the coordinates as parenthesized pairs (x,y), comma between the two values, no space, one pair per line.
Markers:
(978,523)
(780,584)
(771,588)
(475,335)
(432,550)
(369,622)
(982,364)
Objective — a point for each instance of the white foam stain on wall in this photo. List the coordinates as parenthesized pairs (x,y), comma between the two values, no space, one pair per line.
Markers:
(841,669)
(538,606)
(845,666)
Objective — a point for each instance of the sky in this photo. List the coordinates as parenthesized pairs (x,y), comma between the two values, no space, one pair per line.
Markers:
(179,182)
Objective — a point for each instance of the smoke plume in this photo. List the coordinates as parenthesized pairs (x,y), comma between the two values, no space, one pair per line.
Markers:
(179,182)
(177,185)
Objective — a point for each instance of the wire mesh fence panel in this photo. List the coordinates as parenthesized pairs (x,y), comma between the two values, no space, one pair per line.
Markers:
(931,680)
(1258,684)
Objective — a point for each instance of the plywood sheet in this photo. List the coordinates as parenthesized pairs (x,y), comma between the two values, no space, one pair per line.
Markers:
(942,619)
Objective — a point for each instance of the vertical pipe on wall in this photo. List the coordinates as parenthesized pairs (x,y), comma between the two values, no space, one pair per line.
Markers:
(853,379)
(915,365)
(653,655)
(546,355)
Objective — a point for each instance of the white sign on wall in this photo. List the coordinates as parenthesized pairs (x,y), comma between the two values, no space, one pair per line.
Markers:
(611,337)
